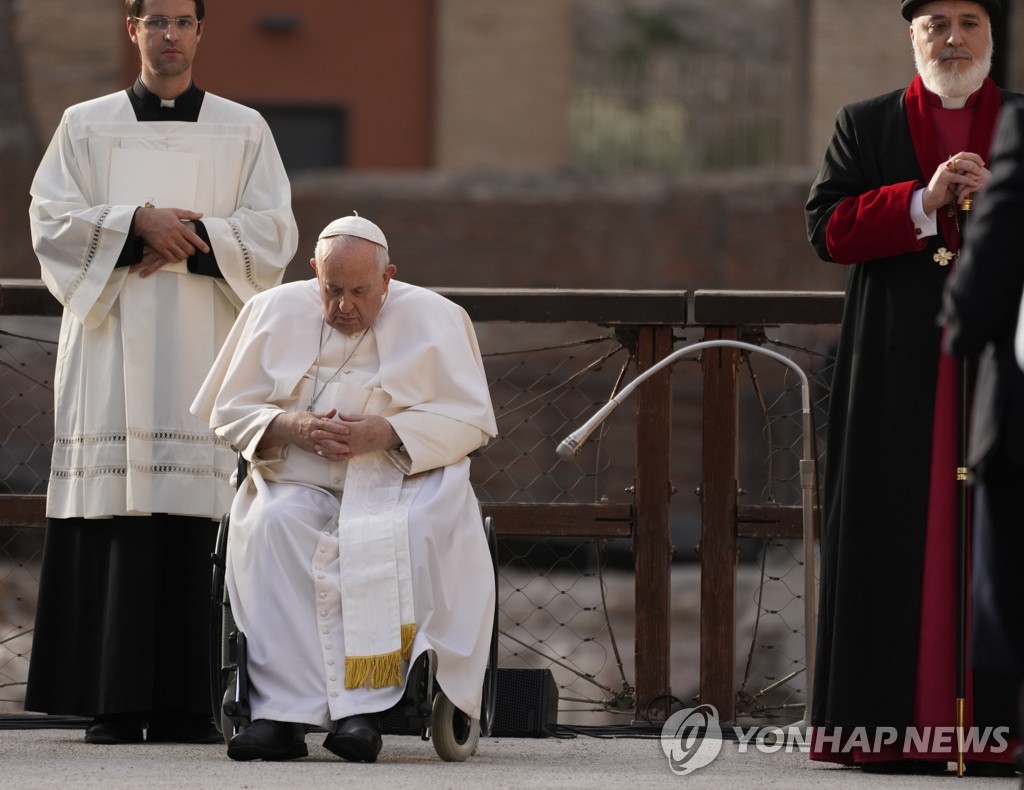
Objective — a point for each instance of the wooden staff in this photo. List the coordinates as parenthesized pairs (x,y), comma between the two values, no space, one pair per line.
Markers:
(963,536)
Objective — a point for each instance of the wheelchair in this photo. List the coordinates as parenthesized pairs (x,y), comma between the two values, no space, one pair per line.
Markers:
(423,709)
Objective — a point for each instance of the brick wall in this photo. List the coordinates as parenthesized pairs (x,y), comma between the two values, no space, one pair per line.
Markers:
(503,78)
(71,50)
(742,231)
(857,50)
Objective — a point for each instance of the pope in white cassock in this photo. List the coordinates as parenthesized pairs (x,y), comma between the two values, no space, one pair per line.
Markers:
(156,213)
(356,541)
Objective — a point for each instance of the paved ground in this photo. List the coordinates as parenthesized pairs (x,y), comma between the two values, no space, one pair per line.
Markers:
(58,758)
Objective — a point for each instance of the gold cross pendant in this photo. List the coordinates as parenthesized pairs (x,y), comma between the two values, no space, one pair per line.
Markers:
(943,256)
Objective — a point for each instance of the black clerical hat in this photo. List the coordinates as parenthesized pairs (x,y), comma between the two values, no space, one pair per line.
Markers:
(910,6)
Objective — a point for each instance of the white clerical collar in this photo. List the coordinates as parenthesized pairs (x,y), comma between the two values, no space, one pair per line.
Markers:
(953,102)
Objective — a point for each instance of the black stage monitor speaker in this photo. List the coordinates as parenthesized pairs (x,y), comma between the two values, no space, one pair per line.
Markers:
(527,704)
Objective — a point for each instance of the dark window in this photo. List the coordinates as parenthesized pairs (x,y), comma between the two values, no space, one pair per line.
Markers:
(308,137)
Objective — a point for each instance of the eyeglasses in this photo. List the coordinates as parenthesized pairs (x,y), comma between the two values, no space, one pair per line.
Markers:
(161,24)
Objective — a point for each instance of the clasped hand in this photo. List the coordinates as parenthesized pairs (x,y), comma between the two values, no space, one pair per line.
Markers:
(338,437)
(957,179)
(169,236)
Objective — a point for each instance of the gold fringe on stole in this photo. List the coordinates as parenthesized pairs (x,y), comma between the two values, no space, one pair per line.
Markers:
(382,670)
(374,671)
(408,635)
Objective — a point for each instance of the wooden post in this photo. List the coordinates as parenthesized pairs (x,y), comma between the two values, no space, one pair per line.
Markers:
(652,542)
(718,525)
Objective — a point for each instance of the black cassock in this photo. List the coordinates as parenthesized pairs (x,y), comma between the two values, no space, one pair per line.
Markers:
(880,428)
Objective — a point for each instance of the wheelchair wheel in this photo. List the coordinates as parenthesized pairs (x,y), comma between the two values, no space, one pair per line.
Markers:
(455,735)
(490,696)
(227,727)
(234,713)
(219,616)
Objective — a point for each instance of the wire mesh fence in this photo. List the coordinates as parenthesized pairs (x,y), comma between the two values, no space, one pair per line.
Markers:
(27,355)
(28,348)
(773,681)
(553,593)
(20,552)
(564,604)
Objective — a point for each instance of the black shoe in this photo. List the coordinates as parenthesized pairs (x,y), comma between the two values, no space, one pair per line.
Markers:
(114,728)
(985,768)
(179,727)
(357,739)
(927,767)
(266,739)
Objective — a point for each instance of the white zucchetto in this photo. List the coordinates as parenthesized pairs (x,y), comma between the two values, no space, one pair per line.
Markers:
(355,226)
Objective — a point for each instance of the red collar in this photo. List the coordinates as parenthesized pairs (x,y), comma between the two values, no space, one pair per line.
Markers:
(986,101)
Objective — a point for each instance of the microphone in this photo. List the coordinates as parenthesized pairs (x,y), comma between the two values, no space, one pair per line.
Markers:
(571,445)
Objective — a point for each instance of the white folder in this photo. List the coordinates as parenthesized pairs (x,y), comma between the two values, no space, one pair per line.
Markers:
(154,178)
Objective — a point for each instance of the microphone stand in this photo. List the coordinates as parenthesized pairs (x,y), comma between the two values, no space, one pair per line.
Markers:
(571,445)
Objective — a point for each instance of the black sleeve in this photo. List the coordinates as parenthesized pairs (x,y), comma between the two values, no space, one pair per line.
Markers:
(132,250)
(204,263)
(983,299)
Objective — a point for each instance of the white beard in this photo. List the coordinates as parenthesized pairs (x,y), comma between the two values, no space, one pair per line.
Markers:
(957,82)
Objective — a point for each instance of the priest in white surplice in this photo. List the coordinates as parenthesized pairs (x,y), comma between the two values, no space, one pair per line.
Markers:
(356,541)
(156,213)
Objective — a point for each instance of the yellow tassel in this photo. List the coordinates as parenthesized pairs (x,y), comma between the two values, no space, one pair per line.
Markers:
(388,671)
(357,671)
(408,635)
(374,671)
